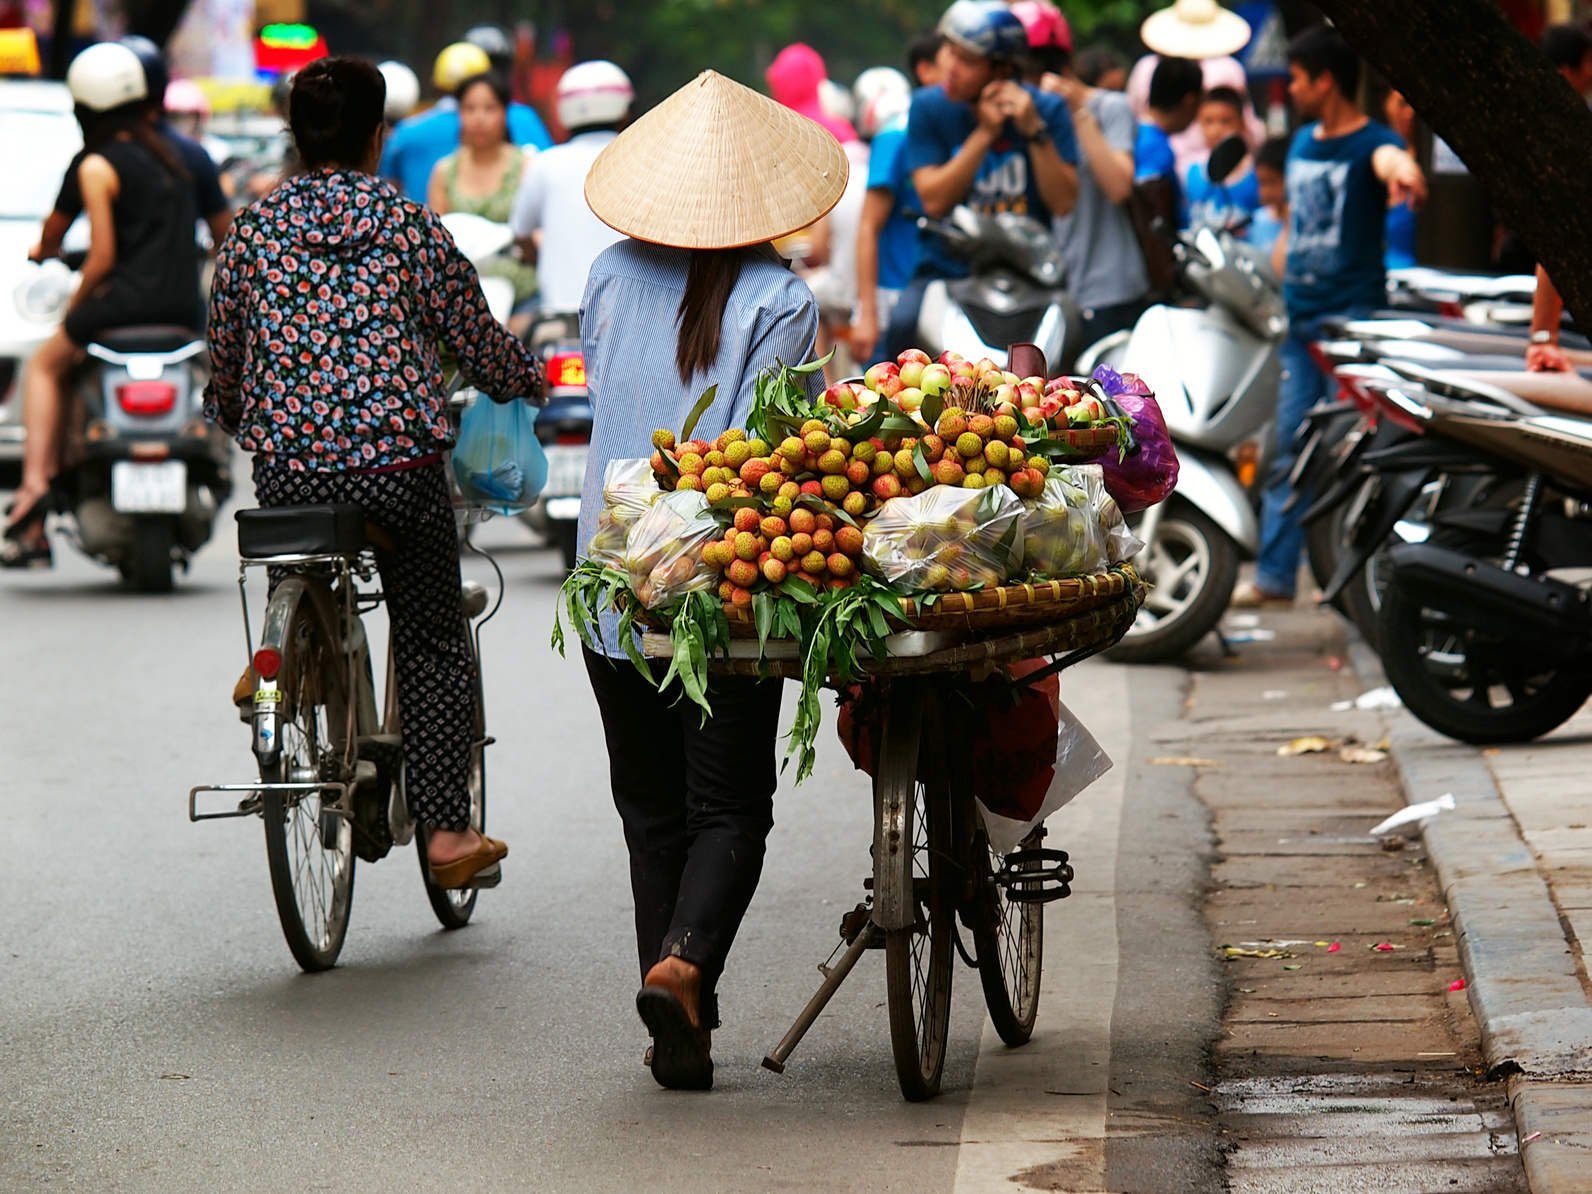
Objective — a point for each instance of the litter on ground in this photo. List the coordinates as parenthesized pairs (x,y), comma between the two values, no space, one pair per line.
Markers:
(1416,812)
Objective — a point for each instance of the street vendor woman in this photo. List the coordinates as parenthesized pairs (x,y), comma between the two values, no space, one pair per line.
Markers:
(695,297)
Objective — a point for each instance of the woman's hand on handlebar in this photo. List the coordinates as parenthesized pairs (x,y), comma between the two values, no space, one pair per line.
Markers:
(1546,358)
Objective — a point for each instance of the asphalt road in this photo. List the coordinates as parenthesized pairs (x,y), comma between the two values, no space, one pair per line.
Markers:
(158,1036)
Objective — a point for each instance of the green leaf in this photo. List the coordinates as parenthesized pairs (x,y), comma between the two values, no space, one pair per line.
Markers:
(900,423)
(670,464)
(869,427)
(763,611)
(920,461)
(812,366)
(933,408)
(881,629)
(799,590)
(698,411)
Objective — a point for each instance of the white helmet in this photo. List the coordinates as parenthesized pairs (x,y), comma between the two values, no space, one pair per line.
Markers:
(105,76)
(595,92)
(834,101)
(881,92)
(403,90)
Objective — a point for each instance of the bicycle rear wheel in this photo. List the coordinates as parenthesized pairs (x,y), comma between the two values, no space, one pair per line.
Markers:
(310,848)
(454,906)
(911,779)
(1009,936)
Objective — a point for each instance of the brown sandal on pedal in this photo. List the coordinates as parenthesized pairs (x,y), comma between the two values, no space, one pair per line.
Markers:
(477,869)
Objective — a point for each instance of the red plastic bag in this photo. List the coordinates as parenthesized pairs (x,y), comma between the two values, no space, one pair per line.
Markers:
(1140,480)
(1028,759)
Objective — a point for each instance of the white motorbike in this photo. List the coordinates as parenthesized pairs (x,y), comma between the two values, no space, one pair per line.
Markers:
(1215,370)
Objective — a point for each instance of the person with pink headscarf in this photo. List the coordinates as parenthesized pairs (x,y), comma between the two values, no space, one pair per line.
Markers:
(795,79)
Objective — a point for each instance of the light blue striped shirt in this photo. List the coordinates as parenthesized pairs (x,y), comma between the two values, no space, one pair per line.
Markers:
(629,322)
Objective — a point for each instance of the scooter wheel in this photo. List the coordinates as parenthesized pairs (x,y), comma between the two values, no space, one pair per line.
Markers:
(1192,566)
(1468,685)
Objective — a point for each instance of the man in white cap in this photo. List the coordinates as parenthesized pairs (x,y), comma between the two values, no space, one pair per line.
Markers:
(555,227)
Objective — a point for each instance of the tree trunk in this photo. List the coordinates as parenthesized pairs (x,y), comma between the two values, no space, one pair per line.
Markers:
(1503,108)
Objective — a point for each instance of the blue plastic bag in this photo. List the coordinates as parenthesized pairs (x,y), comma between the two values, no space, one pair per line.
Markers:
(499,462)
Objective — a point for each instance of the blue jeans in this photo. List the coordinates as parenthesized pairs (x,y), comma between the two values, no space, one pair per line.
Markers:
(1303,385)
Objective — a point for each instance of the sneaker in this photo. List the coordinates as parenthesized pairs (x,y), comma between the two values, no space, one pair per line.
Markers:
(1249,595)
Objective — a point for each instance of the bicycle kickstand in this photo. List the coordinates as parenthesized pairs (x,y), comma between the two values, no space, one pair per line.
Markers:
(836,975)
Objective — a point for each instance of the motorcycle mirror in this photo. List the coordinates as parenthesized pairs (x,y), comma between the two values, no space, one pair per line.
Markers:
(1224,159)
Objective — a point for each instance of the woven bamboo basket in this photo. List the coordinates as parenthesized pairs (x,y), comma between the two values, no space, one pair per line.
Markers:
(987,609)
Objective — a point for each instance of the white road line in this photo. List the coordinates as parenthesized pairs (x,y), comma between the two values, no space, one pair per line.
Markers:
(1040,1111)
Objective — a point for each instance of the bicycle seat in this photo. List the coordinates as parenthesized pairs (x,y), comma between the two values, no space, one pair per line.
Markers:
(333,529)
(1569,393)
(154,337)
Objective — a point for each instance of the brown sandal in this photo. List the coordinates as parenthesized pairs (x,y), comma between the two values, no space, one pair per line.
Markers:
(479,869)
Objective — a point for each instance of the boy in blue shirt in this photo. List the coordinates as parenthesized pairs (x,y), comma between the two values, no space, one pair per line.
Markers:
(984,139)
(1342,170)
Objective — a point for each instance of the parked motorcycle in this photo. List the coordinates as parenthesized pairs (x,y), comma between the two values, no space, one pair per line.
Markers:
(1016,293)
(1482,516)
(1215,370)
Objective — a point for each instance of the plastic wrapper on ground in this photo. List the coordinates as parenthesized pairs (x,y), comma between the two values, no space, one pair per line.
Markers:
(946,540)
(629,489)
(663,553)
(1149,475)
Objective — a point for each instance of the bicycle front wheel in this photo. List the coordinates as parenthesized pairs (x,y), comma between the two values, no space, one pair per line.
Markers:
(911,790)
(310,848)
(1009,935)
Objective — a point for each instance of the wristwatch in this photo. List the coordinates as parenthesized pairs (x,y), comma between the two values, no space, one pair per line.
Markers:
(1041,135)
(1542,336)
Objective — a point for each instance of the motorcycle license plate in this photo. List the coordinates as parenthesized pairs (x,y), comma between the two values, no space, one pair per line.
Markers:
(566,469)
(138,488)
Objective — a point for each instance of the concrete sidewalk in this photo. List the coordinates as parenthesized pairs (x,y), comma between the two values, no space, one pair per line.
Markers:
(1514,860)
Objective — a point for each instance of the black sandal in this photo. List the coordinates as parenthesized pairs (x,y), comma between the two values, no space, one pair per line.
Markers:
(19,554)
(680,1058)
(18,528)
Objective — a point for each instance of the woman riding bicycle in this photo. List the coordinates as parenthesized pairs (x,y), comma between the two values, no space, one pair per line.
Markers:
(142,266)
(332,295)
(698,297)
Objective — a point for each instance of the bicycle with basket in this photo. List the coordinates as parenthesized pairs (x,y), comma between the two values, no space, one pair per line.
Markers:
(919,653)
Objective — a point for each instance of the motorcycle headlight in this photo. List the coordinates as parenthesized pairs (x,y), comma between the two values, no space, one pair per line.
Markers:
(43,297)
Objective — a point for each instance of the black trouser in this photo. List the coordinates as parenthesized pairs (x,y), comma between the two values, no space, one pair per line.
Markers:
(697,801)
(420,577)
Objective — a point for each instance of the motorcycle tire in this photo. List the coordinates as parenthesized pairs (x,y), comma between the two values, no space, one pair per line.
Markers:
(1406,628)
(147,563)
(1172,636)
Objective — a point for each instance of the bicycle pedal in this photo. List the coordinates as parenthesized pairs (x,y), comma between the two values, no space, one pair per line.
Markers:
(491,877)
(1035,876)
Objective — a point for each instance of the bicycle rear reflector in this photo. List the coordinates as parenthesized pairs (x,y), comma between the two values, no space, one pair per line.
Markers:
(267,663)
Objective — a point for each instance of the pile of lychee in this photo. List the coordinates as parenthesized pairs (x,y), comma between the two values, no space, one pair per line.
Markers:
(805,544)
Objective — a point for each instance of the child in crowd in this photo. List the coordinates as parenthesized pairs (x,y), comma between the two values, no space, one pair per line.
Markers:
(1271,178)
(1221,115)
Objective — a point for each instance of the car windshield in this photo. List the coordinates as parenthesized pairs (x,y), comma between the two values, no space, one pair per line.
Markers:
(45,141)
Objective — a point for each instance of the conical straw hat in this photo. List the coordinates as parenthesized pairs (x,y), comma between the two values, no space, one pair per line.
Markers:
(1195,29)
(716,166)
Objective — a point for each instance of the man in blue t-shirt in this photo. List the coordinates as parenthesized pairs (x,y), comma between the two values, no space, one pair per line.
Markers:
(1175,90)
(984,139)
(1342,170)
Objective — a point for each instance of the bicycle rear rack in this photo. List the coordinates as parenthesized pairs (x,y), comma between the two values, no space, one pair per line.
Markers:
(1035,876)
(254,803)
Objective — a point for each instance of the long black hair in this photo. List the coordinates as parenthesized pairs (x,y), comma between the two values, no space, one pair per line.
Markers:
(708,284)
(99,128)
(499,89)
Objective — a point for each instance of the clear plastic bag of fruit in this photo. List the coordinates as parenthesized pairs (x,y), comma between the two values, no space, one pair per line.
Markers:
(629,489)
(663,553)
(1075,528)
(946,539)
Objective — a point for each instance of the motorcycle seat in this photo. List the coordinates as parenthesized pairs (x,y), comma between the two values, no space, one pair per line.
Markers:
(153,337)
(1569,393)
(337,528)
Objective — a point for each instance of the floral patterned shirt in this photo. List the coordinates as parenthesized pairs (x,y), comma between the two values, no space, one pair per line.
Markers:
(333,300)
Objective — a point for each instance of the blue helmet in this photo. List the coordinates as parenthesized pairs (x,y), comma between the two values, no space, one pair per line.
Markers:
(986,28)
(153,62)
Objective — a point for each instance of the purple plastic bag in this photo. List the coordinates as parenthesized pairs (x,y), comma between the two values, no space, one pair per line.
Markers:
(1149,475)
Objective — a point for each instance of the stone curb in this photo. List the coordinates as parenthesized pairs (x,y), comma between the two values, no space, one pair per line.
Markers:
(1535,1021)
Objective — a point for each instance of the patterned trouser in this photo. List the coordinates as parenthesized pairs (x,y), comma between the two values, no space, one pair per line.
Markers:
(436,673)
